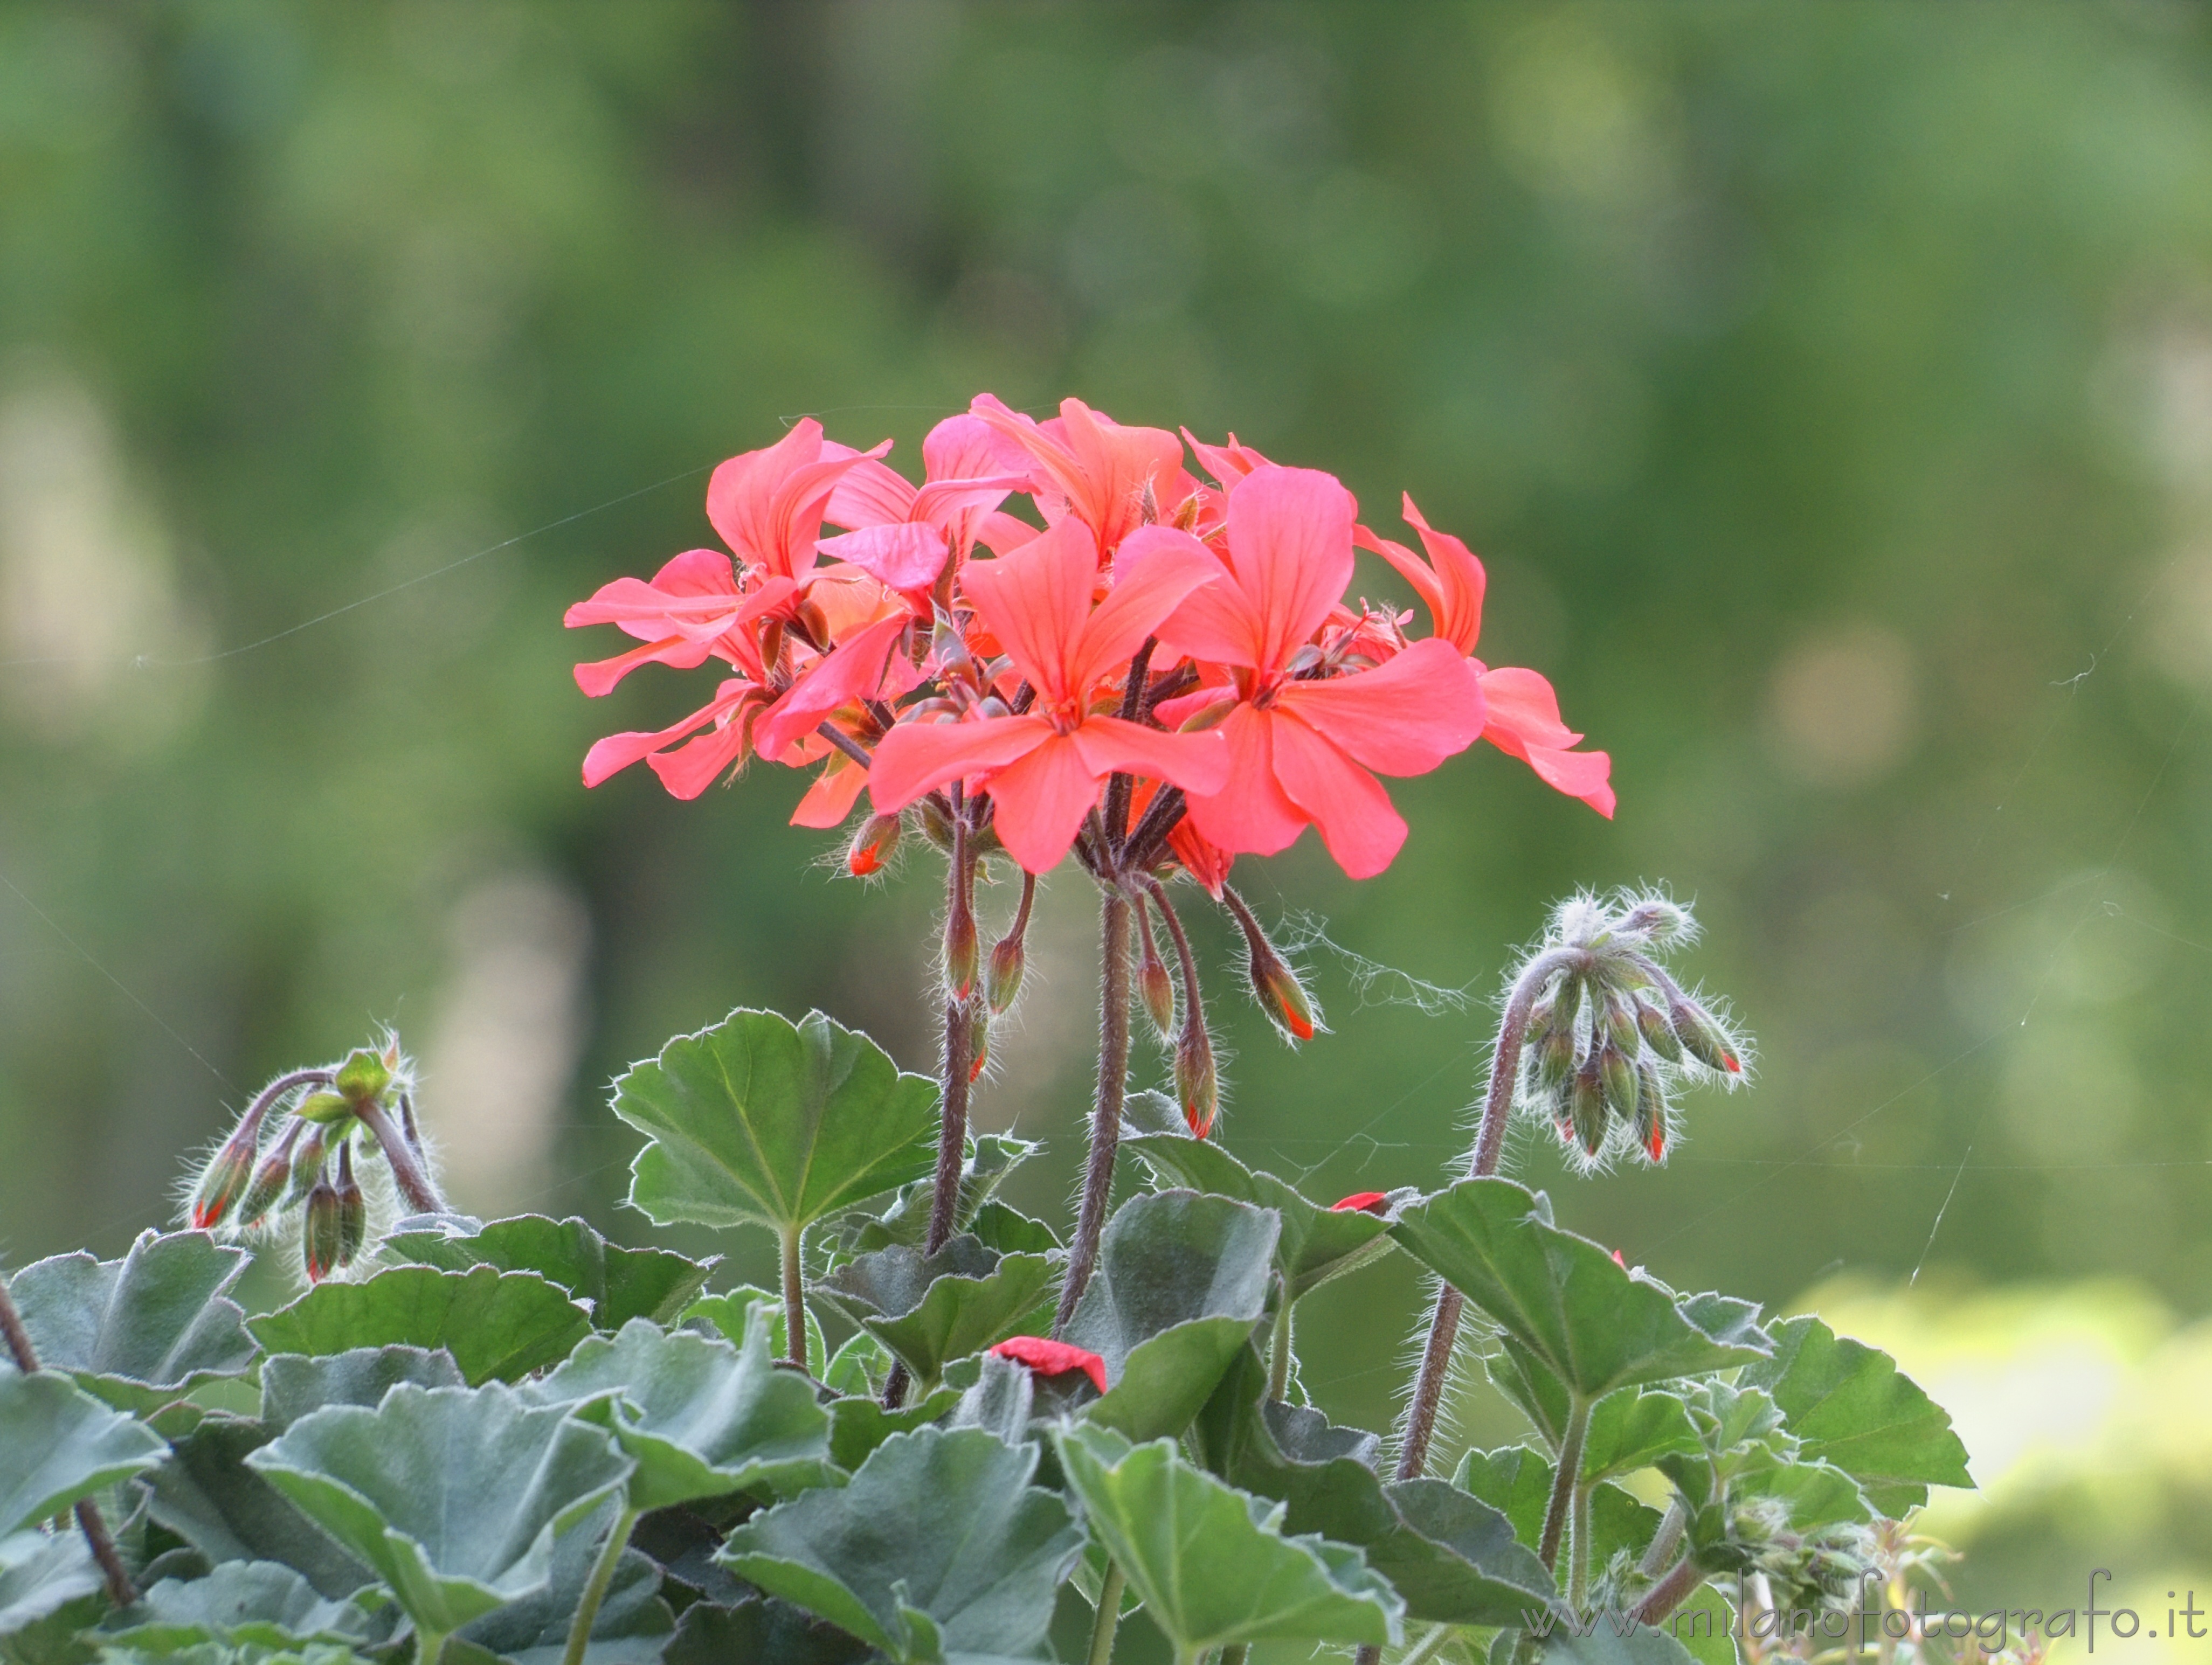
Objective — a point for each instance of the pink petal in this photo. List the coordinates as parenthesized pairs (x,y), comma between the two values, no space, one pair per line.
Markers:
(853,670)
(1035,602)
(1412,568)
(1523,720)
(1250,814)
(1348,804)
(697,573)
(739,492)
(1048,1358)
(1405,717)
(1002,533)
(830,799)
(1156,568)
(598,677)
(1461,577)
(1195,762)
(905,555)
(870,494)
(1041,799)
(619,751)
(690,770)
(913,757)
(1290,544)
(1227,464)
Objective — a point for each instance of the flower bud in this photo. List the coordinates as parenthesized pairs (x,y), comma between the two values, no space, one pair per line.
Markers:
(1567,1005)
(1621,1024)
(1651,1023)
(979,1046)
(1650,1112)
(960,949)
(873,845)
(323,1243)
(1198,1083)
(307,1165)
(1586,1107)
(1618,1076)
(1702,1039)
(1002,980)
(353,1208)
(1153,983)
(1555,1056)
(936,825)
(324,1107)
(270,1181)
(1540,1023)
(227,1175)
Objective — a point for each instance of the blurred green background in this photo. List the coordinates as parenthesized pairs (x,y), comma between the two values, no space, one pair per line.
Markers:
(1828,387)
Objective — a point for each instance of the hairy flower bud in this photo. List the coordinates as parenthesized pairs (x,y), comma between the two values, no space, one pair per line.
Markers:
(322,1243)
(1620,1023)
(227,1175)
(270,1180)
(353,1208)
(960,949)
(1555,1058)
(1197,1083)
(872,847)
(1154,985)
(1002,980)
(363,1077)
(1658,1034)
(1702,1038)
(1586,1107)
(936,825)
(308,1163)
(1618,1077)
(1540,1016)
(979,1045)
(1650,1112)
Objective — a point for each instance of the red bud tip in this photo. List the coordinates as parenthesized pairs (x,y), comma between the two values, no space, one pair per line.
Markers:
(1654,1146)
(1729,1062)
(1002,980)
(1363,1203)
(1047,1358)
(873,845)
(960,953)
(206,1216)
(1617,1261)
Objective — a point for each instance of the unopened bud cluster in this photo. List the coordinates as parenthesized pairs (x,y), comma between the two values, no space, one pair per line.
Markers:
(1610,1036)
(293,1152)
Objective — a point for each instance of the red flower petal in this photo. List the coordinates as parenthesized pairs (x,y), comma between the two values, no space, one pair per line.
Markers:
(1048,1358)
(1363,1203)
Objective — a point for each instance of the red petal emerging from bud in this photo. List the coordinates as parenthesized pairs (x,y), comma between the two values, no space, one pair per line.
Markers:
(1363,1203)
(1053,1358)
(873,845)
(1617,1261)
(960,952)
(1003,979)
(1198,1084)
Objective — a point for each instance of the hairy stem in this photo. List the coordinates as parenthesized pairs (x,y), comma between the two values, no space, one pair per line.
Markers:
(1425,1649)
(1666,1539)
(959,1046)
(1489,1145)
(1109,1618)
(1106,1106)
(794,1301)
(89,1521)
(408,1174)
(1566,1482)
(1670,1592)
(1278,1346)
(1578,1549)
(428,1644)
(595,1588)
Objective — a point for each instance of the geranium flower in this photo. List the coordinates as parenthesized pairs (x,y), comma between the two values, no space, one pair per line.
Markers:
(1084,463)
(1301,747)
(1043,767)
(901,534)
(1522,711)
(1048,1358)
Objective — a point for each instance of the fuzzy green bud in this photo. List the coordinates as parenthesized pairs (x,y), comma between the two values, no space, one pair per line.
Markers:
(1621,1024)
(1555,1056)
(960,950)
(322,1243)
(1197,1083)
(1618,1077)
(1650,1112)
(1702,1038)
(1002,980)
(1658,1035)
(1154,985)
(270,1180)
(228,1176)
(353,1209)
(362,1078)
(1586,1107)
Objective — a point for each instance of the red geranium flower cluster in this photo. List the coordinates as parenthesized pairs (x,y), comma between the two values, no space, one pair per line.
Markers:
(1189,639)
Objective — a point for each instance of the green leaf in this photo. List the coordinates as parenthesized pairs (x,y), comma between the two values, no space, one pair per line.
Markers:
(990,1158)
(59,1444)
(207,1496)
(729,1313)
(1633,1430)
(293,1384)
(858,1426)
(932,1308)
(939,1542)
(998,1399)
(1180,1282)
(1563,1298)
(762,1629)
(634,1624)
(143,1330)
(1517,1482)
(496,1324)
(263,1604)
(453,1495)
(39,1574)
(1010,1232)
(1707,1642)
(1316,1244)
(1817,1494)
(759,1121)
(1644,1645)
(1212,1562)
(620,1283)
(1451,1557)
(1852,1406)
(861,1366)
(701,1418)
